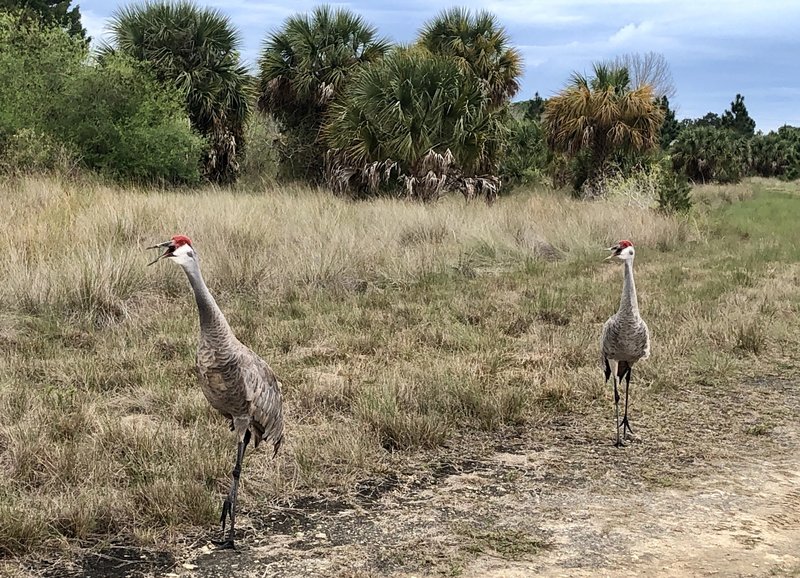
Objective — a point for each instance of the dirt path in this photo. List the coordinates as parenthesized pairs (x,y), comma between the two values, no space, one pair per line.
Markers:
(508,515)
(744,522)
(706,492)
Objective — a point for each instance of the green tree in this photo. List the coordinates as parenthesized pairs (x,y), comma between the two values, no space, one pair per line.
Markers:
(478,44)
(418,120)
(594,119)
(711,119)
(674,190)
(737,118)
(302,68)
(670,128)
(50,13)
(526,156)
(36,62)
(195,50)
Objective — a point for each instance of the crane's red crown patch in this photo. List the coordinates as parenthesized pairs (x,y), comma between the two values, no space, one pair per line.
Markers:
(181,240)
(624,244)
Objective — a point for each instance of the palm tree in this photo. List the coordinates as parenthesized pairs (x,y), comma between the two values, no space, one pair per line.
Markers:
(196,50)
(602,116)
(479,44)
(777,154)
(415,119)
(303,67)
(705,154)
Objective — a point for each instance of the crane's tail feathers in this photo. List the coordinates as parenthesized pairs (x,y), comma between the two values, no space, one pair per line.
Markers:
(278,445)
(623,368)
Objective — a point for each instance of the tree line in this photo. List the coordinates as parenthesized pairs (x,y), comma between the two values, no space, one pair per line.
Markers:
(168,100)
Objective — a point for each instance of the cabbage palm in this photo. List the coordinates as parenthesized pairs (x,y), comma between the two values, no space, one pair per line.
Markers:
(303,66)
(705,154)
(195,49)
(415,116)
(603,116)
(479,44)
(777,154)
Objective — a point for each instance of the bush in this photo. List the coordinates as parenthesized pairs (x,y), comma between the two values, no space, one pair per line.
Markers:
(674,192)
(127,125)
(31,151)
(260,164)
(648,185)
(35,64)
(59,110)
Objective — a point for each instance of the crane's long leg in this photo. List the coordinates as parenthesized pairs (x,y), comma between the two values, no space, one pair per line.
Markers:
(611,371)
(625,424)
(229,505)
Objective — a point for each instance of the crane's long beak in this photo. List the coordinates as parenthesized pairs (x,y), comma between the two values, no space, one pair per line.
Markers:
(615,250)
(167,244)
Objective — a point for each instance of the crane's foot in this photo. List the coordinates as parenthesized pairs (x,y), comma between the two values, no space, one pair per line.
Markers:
(619,444)
(227,544)
(626,428)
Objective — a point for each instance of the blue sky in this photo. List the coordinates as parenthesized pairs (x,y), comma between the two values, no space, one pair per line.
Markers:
(715,48)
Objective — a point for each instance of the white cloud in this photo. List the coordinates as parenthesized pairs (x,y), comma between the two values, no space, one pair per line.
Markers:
(631,32)
(95,26)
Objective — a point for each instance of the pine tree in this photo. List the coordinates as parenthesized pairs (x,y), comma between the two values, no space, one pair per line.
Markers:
(737,118)
(671,128)
(534,108)
(51,13)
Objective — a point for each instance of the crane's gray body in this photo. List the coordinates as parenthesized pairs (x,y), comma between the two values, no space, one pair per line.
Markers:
(243,388)
(236,381)
(625,337)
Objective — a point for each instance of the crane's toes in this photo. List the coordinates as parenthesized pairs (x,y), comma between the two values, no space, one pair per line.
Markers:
(626,428)
(224,544)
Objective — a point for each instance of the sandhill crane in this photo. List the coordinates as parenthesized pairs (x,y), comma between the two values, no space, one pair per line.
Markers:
(625,339)
(236,381)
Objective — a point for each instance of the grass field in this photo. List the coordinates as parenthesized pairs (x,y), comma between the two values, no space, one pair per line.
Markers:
(396,328)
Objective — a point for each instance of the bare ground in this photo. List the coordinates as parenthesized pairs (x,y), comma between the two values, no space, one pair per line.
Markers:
(710,487)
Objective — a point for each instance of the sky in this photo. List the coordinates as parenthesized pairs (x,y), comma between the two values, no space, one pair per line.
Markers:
(715,49)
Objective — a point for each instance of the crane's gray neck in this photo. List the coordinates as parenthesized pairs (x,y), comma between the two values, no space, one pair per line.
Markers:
(628,304)
(212,322)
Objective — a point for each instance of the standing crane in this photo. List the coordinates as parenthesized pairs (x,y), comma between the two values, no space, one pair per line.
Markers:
(236,381)
(625,339)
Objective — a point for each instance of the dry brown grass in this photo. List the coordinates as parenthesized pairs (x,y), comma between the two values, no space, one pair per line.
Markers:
(393,326)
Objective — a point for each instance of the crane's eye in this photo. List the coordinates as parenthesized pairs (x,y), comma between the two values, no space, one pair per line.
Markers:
(190,253)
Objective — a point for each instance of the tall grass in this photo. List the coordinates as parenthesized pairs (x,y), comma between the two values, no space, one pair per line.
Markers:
(392,325)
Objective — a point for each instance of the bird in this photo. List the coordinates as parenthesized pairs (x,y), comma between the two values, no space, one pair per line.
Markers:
(625,338)
(233,378)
